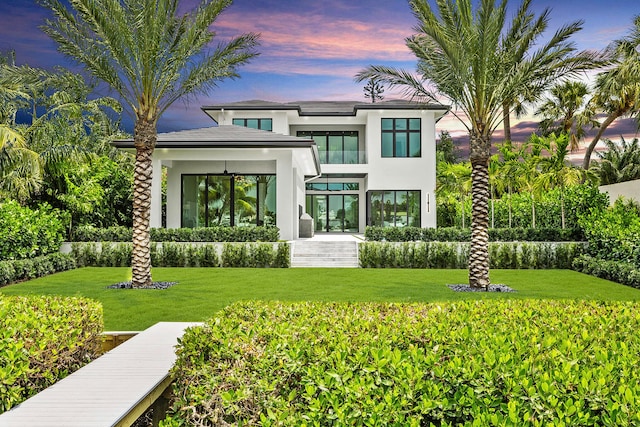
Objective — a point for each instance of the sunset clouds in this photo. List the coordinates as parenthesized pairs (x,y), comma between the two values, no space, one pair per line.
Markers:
(310,50)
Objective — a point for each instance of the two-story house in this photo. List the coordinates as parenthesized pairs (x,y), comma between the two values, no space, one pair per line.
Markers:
(347,164)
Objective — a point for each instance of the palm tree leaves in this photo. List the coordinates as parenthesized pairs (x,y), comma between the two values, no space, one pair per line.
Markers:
(147,53)
(620,163)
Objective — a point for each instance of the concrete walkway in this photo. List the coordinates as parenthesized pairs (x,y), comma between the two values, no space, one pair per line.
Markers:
(326,250)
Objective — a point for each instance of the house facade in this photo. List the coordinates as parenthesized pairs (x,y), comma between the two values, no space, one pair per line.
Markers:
(346,164)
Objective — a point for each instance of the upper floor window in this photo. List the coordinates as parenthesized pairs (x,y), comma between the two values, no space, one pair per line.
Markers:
(401,138)
(262,124)
(335,147)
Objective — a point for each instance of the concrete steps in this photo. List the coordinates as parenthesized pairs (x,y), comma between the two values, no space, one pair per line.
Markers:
(310,253)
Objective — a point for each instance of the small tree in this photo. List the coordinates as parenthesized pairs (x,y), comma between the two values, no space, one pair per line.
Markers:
(373,90)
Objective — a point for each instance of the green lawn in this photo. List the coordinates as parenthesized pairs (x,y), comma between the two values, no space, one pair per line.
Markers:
(201,292)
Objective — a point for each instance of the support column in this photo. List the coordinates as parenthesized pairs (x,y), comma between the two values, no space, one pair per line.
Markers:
(285,180)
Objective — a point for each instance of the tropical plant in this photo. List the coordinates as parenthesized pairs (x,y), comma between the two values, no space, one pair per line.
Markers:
(563,111)
(479,62)
(151,56)
(617,90)
(455,179)
(555,170)
(619,163)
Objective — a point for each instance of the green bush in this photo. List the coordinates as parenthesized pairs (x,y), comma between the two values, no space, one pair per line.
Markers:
(181,254)
(617,271)
(25,269)
(43,339)
(412,234)
(26,233)
(208,234)
(510,255)
(614,234)
(471,363)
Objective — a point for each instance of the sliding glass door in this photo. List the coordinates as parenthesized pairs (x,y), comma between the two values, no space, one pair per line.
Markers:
(334,212)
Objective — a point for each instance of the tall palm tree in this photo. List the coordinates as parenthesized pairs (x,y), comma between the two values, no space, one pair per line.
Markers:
(620,163)
(566,105)
(478,61)
(617,90)
(151,56)
(555,170)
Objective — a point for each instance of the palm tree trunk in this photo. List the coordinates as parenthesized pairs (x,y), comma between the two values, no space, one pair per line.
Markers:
(479,250)
(506,121)
(144,137)
(587,155)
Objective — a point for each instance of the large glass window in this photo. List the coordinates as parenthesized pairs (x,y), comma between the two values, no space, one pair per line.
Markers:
(401,138)
(394,208)
(334,212)
(335,147)
(262,124)
(230,200)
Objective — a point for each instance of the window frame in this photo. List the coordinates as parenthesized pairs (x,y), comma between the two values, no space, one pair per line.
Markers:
(397,131)
(260,121)
(326,155)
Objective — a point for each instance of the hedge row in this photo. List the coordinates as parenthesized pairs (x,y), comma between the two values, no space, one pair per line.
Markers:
(622,272)
(472,363)
(44,339)
(209,234)
(510,255)
(110,254)
(26,269)
(28,233)
(453,234)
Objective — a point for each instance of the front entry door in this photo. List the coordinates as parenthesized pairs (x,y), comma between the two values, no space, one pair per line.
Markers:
(336,213)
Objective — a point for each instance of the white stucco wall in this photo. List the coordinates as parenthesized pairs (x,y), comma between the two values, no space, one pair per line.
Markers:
(628,190)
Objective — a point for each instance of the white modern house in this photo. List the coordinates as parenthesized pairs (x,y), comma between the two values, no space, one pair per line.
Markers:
(347,164)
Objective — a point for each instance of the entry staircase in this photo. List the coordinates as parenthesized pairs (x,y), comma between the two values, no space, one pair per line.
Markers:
(325,253)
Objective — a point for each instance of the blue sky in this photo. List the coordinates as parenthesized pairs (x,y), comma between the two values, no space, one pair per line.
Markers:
(311,49)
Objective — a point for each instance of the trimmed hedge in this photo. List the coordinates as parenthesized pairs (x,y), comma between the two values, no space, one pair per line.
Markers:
(208,234)
(44,339)
(452,234)
(26,269)
(168,254)
(511,255)
(27,233)
(622,272)
(472,363)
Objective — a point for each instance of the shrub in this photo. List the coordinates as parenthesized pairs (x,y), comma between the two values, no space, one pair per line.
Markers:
(488,362)
(43,339)
(29,233)
(456,254)
(617,271)
(411,234)
(25,269)
(181,254)
(209,234)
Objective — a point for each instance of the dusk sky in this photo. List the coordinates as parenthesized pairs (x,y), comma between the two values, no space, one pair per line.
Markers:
(310,50)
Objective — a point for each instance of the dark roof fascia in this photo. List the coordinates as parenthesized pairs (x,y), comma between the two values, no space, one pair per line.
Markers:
(301,113)
(128,143)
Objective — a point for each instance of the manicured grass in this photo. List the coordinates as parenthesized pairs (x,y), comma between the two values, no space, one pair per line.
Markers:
(201,292)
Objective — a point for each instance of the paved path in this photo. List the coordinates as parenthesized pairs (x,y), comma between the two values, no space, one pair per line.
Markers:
(108,391)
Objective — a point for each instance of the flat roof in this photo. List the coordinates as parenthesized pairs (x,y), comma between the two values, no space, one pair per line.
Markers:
(223,136)
(325,108)
(228,136)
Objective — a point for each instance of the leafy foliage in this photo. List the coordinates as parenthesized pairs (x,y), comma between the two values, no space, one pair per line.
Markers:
(44,339)
(619,163)
(456,255)
(472,363)
(453,234)
(28,233)
(185,254)
(26,269)
(622,272)
(204,234)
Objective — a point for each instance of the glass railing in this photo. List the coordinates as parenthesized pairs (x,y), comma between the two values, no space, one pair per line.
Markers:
(343,157)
